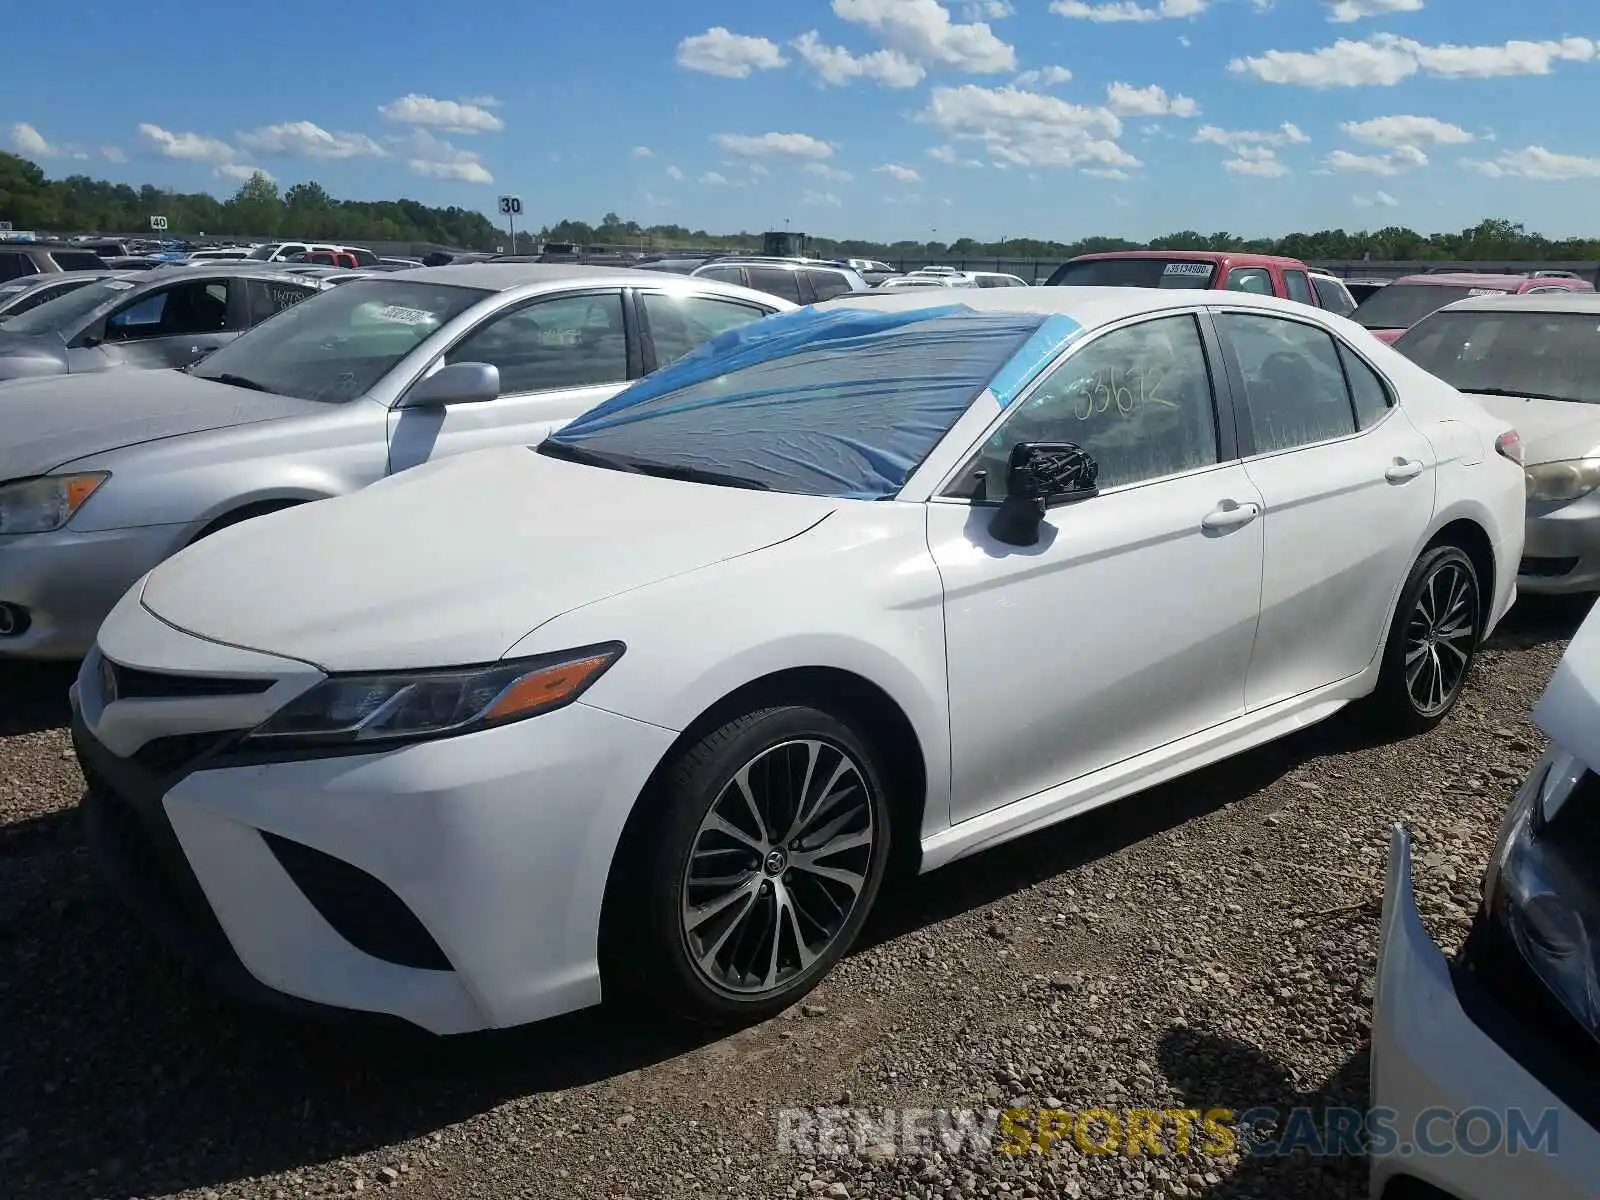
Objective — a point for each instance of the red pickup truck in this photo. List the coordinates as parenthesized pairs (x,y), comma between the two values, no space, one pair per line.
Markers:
(1265,274)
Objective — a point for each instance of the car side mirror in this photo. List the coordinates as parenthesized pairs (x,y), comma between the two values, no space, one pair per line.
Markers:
(455,383)
(1040,476)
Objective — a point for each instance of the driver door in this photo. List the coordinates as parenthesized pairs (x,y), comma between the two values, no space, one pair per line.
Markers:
(1129,624)
(175,326)
(558,357)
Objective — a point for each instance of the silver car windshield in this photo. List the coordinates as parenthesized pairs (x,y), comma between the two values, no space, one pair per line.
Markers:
(1543,355)
(338,344)
(66,311)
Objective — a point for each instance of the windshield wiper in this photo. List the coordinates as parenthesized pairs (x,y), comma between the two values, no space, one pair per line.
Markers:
(238,381)
(1516,394)
(617,462)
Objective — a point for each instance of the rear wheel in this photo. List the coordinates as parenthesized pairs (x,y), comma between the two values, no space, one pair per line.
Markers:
(765,854)
(1432,642)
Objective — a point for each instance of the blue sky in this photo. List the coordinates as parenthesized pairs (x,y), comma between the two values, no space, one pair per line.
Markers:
(873,118)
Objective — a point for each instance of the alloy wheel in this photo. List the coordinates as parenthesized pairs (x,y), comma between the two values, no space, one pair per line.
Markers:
(1440,636)
(777,866)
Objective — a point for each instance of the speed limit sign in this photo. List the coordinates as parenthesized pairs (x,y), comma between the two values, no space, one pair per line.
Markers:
(511,206)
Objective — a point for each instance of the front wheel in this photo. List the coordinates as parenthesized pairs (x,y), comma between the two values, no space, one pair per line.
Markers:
(1431,644)
(757,870)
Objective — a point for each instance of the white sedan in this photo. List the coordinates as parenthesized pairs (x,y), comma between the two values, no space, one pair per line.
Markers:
(652,708)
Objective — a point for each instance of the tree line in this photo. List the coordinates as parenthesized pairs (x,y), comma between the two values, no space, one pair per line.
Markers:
(79,204)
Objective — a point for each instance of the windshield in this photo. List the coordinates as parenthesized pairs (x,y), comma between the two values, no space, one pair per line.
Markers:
(1402,305)
(1134,272)
(337,344)
(65,311)
(262,253)
(843,403)
(1544,355)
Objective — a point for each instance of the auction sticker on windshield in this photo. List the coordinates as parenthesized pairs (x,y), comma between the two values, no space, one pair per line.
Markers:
(1486,292)
(406,316)
(1185,268)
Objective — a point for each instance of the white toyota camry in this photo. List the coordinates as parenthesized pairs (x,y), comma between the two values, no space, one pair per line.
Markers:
(653,707)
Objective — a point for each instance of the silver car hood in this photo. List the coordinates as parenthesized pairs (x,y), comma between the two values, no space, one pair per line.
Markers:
(1569,709)
(1551,430)
(45,423)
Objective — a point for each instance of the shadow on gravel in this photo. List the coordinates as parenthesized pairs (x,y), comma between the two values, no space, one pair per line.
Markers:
(33,696)
(1193,1061)
(1540,620)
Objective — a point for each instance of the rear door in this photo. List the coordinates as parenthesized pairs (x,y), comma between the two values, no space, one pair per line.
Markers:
(267,298)
(674,323)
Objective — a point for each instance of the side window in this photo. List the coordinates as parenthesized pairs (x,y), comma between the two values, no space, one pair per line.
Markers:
(677,324)
(266,299)
(200,306)
(15,266)
(1299,287)
(828,284)
(364,258)
(776,281)
(1366,389)
(1333,297)
(728,274)
(1293,382)
(1250,279)
(1138,399)
(563,342)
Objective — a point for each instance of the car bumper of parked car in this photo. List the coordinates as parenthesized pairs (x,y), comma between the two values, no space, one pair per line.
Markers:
(456,884)
(1443,1046)
(1561,553)
(56,588)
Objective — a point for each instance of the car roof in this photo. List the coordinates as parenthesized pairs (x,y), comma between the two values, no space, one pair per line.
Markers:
(1091,307)
(1467,279)
(504,277)
(1229,257)
(1557,302)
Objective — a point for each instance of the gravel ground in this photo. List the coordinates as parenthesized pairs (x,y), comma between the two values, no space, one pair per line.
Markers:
(1208,944)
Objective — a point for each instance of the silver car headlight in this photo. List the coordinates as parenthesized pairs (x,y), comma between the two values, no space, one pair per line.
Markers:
(46,503)
(1556,482)
(363,711)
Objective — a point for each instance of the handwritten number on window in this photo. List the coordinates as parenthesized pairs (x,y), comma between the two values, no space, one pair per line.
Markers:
(1126,389)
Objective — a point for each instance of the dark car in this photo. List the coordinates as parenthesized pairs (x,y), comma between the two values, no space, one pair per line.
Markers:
(797,281)
(134,262)
(18,259)
(165,318)
(675,266)
(18,296)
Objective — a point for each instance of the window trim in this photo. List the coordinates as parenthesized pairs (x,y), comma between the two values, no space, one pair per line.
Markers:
(1223,406)
(1246,432)
(649,362)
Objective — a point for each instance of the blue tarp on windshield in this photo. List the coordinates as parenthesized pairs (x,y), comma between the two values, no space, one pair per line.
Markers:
(844,402)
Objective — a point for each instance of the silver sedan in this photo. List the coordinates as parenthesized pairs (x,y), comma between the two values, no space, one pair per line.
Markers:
(109,474)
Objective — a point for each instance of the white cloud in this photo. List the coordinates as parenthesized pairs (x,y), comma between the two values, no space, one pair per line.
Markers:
(305,140)
(825,199)
(1383,60)
(714,178)
(429,155)
(1043,76)
(1027,129)
(1110,11)
(1395,161)
(1376,200)
(1286,134)
(898,173)
(731,55)
(452,116)
(675,173)
(1106,172)
(1406,131)
(643,152)
(944,154)
(1257,161)
(1128,101)
(241,172)
(1535,162)
(923,30)
(824,171)
(837,66)
(191,147)
(29,140)
(773,145)
(1345,11)
(114,154)
(987,10)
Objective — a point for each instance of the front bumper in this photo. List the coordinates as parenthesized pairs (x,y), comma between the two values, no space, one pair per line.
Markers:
(489,853)
(1432,1049)
(1561,553)
(66,582)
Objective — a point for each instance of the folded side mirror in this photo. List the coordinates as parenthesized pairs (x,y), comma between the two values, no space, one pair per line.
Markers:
(455,383)
(1040,476)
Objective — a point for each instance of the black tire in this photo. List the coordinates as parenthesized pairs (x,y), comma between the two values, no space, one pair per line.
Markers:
(1393,707)
(650,954)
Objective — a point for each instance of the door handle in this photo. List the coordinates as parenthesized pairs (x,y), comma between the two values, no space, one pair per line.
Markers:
(1403,469)
(1229,515)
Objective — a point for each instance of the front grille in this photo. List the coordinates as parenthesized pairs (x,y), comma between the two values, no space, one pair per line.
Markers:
(135,684)
(1546,567)
(361,909)
(169,755)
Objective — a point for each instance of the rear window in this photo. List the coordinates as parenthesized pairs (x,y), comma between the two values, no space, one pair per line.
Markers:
(77,260)
(775,281)
(1402,305)
(1134,272)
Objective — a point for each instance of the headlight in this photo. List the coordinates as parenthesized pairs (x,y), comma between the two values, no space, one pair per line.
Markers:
(46,503)
(1560,481)
(415,705)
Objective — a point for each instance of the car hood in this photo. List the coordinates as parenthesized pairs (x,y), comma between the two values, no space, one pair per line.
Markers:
(455,562)
(1551,430)
(49,422)
(26,355)
(1569,710)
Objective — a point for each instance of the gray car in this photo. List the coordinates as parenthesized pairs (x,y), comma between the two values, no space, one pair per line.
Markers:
(107,475)
(168,317)
(18,296)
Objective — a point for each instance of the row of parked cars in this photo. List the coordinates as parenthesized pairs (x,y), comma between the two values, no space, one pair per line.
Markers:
(468,643)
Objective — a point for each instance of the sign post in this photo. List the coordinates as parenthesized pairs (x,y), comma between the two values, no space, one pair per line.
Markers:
(511,209)
(158,224)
